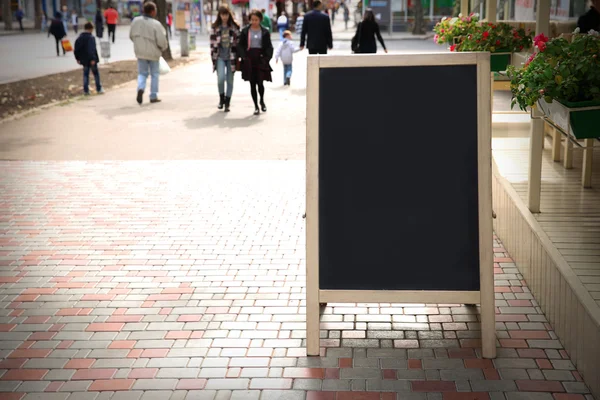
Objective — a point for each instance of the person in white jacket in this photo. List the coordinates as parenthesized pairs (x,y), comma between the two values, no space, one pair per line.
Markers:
(286,51)
(149,41)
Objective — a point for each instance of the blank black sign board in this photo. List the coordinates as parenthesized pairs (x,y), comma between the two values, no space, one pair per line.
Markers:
(399,183)
(398,190)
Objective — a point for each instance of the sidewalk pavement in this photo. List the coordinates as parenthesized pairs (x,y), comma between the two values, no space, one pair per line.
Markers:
(141,277)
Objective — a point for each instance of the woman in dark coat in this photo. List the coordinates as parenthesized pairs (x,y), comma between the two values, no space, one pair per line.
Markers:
(256,50)
(99,24)
(366,32)
(57,29)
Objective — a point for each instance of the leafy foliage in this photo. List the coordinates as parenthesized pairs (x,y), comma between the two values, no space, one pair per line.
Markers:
(449,28)
(560,70)
(495,37)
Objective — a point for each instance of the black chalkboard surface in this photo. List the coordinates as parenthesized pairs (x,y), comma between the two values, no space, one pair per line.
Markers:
(398,190)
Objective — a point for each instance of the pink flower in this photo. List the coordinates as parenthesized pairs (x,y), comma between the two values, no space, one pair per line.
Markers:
(540,38)
(453,47)
(435,38)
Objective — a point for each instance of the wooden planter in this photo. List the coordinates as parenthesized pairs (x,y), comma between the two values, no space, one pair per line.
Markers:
(500,60)
(578,119)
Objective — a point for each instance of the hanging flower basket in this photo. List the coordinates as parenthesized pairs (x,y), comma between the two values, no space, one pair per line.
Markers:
(576,119)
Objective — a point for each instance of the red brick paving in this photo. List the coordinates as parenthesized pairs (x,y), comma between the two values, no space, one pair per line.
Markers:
(143,272)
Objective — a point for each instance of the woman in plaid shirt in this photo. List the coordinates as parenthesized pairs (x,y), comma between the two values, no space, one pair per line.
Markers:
(223,49)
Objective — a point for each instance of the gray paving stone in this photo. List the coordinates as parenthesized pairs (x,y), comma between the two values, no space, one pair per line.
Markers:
(59,375)
(528,396)
(178,395)
(513,373)
(201,395)
(563,364)
(155,384)
(411,374)
(168,362)
(497,396)
(494,386)
(366,362)
(432,375)
(45,363)
(442,343)
(336,384)
(388,385)
(283,395)
(576,387)
(308,384)
(433,363)
(154,344)
(544,344)
(31,386)
(90,396)
(9,386)
(128,395)
(393,363)
(178,373)
(245,362)
(157,395)
(462,385)
(75,386)
(109,353)
(114,363)
(461,374)
(228,384)
(360,373)
(367,343)
(421,353)
(558,375)
(46,396)
(358,385)
(318,362)
(387,353)
(245,395)
(502,363)
(271,383)
(212,373)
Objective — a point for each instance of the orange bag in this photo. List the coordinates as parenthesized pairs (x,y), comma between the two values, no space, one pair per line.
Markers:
(66,44)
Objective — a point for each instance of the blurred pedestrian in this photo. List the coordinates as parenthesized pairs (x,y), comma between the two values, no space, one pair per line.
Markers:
(44,21)
(285,51)
(317,27)
(299,22)
(223,49)
(57,29)
(591,19)
(99,24)
(266,22)
(75,21)
(149,41)
(65,18)
(87,56)
(256,50)
(346,14)
(112,17)
(282,24)
(170,24)
(366,31)
(19,15)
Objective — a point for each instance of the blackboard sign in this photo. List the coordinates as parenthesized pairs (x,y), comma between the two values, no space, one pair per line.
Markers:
(399,183)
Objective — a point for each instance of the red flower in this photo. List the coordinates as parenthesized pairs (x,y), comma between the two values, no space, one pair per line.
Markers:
(541,46)
(540,38)
(486,34)
(497,42)
(453,47)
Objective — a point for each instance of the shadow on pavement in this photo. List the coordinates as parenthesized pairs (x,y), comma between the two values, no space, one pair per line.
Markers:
(221,120)
(8,144)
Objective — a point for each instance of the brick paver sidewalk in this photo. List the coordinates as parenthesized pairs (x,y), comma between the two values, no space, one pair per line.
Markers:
(186,280)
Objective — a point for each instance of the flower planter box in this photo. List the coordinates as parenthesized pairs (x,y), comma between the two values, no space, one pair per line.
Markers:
(500,60)
(579,120)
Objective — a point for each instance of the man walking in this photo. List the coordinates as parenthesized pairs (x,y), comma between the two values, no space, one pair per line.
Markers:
(149,41)
(318,28)
(112,17)
(19,14)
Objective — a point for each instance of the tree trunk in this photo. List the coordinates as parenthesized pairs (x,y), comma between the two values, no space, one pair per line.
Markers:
(38,14)
(419,26)
(161,16)
(7,15)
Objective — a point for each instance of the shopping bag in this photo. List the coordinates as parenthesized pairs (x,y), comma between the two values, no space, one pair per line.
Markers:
(163,67)
(66,44)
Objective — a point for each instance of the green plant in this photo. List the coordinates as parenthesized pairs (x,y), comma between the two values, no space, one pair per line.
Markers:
(494,38)
(449,28)
(560,70)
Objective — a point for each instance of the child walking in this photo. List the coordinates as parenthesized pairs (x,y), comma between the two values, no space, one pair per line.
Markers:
(286,51)
(87,55)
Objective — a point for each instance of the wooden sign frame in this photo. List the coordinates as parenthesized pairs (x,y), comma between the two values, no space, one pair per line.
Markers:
(485,296)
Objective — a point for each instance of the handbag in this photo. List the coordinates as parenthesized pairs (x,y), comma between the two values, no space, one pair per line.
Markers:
(355,44)
(66,44)
(163,67)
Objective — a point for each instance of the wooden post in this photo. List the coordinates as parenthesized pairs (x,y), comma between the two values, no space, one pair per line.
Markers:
(588,155)
(568,159)
(491,12)
(464,7)
(542,25)
(556,144)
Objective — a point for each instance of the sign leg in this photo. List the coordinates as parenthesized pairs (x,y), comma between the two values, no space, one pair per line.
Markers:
(313,317)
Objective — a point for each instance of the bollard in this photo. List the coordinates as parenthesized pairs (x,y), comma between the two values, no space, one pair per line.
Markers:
(184,43)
